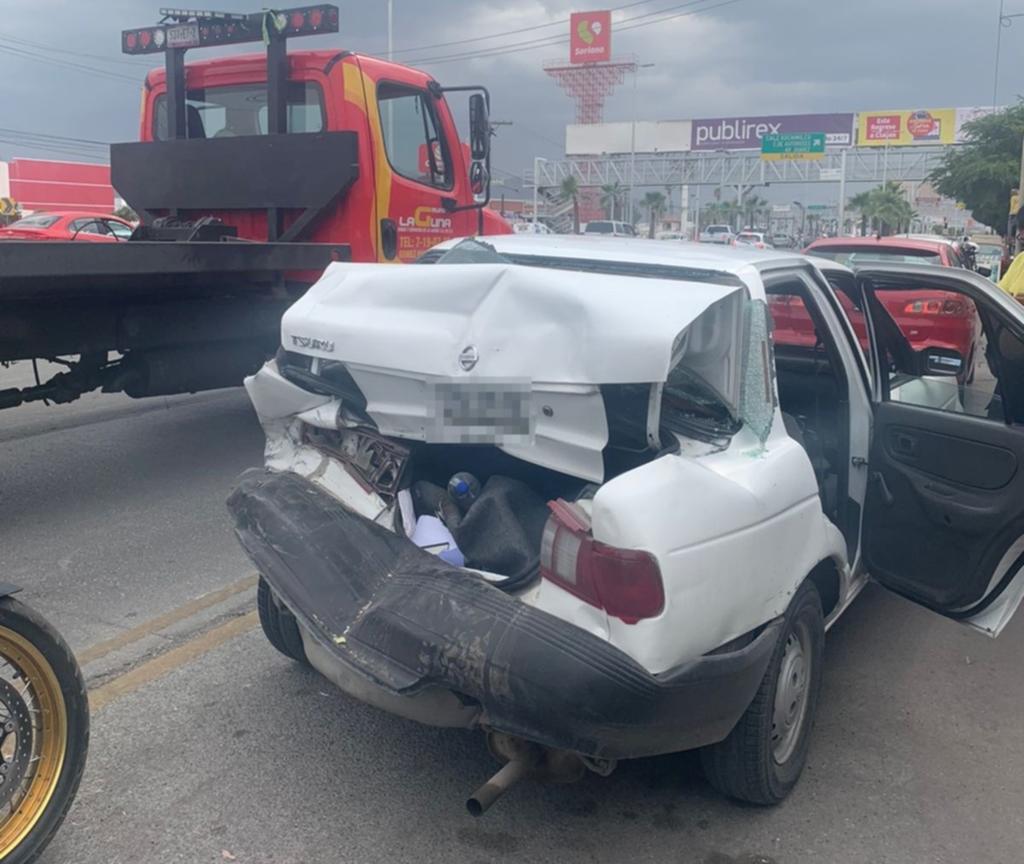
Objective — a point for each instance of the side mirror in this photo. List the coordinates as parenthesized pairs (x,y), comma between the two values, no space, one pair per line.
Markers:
(984,271)
(479,128)
(940,361)
(479,181)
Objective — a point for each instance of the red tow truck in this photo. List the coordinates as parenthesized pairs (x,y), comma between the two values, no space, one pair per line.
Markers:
(251,174)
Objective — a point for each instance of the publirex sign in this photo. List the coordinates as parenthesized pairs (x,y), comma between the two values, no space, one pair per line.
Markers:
(590,37)
(746,133)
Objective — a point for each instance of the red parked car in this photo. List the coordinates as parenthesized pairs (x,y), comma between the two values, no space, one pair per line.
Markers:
(934,318)
(68,225)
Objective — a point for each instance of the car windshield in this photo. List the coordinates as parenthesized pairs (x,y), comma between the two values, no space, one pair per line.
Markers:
(39,220)
(853,255)
(600,228)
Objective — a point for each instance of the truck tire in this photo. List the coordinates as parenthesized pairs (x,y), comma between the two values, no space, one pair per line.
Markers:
(761,759)
(279,625)
(49,686)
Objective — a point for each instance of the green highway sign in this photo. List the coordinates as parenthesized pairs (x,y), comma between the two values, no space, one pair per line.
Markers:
(793,145)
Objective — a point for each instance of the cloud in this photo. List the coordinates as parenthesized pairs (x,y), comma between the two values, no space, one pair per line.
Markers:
(748,57)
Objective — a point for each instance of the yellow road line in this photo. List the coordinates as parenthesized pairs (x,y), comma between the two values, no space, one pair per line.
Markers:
(162,622)
(164,664)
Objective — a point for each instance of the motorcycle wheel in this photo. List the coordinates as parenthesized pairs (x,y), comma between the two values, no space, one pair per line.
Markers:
(44,731)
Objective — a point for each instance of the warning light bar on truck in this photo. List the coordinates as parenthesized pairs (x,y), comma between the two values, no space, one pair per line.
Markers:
(192,28)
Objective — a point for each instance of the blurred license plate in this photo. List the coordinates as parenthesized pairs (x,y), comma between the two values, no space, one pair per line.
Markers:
(481,412)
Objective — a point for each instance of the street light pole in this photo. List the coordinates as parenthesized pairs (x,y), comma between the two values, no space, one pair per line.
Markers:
(536,170)
(1004,21)
(632,141)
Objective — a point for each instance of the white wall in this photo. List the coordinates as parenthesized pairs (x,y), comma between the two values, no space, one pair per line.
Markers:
(663,136)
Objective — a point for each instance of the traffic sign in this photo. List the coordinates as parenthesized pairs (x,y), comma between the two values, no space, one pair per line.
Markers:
(793,145)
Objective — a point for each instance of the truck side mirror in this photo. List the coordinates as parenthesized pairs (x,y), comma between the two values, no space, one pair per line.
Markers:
(479,128)
(479,180)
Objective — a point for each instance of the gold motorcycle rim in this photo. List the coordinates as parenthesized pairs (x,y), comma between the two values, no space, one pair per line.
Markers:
(24,666)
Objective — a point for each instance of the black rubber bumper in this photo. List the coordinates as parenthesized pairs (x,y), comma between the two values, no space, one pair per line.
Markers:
(410,621)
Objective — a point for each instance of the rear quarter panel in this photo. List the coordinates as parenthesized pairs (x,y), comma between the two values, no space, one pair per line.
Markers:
(734,532)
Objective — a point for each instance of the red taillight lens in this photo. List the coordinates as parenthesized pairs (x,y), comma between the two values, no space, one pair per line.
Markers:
(145,37)
(316,18)
(936,306)
(298,20)
(626,583)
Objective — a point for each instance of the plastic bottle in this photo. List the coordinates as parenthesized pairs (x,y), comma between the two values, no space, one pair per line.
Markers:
(463,489)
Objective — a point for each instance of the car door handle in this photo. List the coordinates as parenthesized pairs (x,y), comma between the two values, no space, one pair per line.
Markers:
(904,444)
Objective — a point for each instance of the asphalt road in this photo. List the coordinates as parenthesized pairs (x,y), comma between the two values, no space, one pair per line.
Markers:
(210,747)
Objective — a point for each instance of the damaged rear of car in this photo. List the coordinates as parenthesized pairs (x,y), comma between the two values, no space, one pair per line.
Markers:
(508,496)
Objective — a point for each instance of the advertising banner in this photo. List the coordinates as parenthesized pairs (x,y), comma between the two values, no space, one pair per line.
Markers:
(590,37)
(746,133)
(905,128)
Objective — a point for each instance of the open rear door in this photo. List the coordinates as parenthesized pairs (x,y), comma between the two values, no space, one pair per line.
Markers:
(944,516)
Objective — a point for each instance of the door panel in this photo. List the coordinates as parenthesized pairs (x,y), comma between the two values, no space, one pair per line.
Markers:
(946,500)
(944,515)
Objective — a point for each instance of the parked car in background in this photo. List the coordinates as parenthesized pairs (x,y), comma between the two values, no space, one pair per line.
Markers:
(531,228)
(610,228)
(717,234)
(757,239)
(670,235)
(936,319)
(68,225)
(638,546)
(784,241)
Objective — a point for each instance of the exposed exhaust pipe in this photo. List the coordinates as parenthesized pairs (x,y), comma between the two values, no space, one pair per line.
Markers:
(511,773)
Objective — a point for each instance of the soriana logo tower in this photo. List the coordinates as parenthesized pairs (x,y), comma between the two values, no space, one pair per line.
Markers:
(590,37)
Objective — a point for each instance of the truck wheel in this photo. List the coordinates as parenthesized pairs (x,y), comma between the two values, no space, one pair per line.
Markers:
(763,756)
(279,624)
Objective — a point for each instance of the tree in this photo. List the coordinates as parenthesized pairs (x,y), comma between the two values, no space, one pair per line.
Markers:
(654,204)
(570,190)
(753,208)
(861,202)
(982,172)
(611,198)
(889,209)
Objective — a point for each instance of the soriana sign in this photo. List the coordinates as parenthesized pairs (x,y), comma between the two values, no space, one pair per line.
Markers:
(590,37)
(903,128)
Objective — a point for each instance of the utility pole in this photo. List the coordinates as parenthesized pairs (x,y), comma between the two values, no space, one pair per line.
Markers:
(536,183)
(841,211)
(632,141)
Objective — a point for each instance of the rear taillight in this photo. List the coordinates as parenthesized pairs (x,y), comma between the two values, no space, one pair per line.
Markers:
(936,306)
(626,583)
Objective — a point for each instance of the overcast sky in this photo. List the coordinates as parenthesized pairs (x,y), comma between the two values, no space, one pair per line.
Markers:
(745,57)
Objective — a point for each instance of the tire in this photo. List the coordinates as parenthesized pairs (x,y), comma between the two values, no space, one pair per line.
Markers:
(760,762)
(50,668)
(279,625)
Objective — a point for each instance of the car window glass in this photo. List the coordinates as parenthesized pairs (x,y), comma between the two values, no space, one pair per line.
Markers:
(88,226)
(411,139)
(119,230)
(39,220)
(937,353)
(241,109)
(853,256)
(757,393)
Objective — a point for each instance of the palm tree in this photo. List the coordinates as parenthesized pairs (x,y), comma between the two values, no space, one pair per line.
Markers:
(862,204)
(753,207)
(654,203)
(611,198)
(570,190)
(888,207)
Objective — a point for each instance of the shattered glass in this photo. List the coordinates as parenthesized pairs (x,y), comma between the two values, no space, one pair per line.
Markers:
(757,390)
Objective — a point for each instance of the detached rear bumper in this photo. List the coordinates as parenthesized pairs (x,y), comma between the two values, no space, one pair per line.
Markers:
(399,622)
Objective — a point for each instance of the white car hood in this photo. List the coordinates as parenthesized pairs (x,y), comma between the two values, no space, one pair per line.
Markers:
(399,328)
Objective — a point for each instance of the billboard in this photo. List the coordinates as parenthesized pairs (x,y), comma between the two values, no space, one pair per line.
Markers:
(746,133)
(903,128)
(49,184)
(590,37)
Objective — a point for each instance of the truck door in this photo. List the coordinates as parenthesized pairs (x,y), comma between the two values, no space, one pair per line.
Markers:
(944,516)
(423,167)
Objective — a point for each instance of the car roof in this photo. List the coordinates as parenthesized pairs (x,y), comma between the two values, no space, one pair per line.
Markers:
(635,250)
(77,214)
(904,242)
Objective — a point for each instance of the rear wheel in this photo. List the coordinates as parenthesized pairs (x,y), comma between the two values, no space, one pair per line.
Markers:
(44,732)
(279,625)
(763,756)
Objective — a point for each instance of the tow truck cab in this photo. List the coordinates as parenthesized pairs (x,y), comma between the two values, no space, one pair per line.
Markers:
(382,136)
